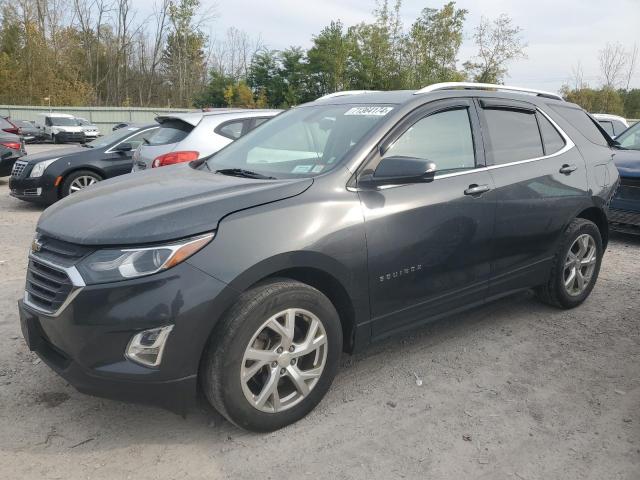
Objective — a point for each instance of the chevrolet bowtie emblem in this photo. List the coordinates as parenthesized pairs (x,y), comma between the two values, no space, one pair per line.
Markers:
(36,245)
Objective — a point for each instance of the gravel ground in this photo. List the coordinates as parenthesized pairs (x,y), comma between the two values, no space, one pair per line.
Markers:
(514,390)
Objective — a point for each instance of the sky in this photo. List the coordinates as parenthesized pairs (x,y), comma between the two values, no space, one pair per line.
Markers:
(559,33)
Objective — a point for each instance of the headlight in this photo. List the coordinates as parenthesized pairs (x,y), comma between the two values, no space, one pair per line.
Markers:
(112,265)
(39,168)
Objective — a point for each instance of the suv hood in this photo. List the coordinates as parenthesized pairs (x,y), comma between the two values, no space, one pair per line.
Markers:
(162,204)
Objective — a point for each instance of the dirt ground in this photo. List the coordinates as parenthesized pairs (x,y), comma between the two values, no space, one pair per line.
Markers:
(514,390)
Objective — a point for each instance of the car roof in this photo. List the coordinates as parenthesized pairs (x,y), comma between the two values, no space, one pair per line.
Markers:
(51,114)
(608,116)
(194,118)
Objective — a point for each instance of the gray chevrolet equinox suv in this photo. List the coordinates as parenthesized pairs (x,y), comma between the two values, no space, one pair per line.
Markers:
(246,274)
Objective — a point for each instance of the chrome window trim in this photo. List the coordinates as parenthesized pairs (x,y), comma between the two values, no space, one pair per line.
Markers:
(76,280)
(568,145)
(110,149)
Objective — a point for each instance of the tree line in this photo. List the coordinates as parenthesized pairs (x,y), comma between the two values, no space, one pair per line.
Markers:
(614,94)
(103,52)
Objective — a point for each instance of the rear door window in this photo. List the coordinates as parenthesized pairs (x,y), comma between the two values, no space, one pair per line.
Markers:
(582,122)
(552,139)
(512,135)
(170,131)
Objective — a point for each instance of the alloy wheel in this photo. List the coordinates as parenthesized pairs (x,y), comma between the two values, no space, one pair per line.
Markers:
(284,360)
(82,182)
(579,264)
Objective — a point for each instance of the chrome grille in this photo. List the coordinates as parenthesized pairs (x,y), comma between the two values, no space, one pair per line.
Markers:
(47,287)
(18,168)
(52,279)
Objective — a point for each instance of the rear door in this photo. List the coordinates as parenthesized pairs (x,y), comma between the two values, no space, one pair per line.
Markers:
(428,243)
(540,183)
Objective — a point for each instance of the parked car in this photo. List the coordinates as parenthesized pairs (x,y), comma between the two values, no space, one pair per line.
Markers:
(614,125)
(60,128)
(11,149)
(120,125)
(90,130)
(8,126)
(625,206)
(335,224)
(29,132)
(630,138)
(183,137)
(49,176)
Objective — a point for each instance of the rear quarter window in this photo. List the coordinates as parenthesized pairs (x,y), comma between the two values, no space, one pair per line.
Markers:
(170,131)
(553,141)
(582,122)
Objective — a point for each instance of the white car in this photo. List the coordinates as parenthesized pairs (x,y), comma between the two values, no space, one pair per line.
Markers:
(90,130)
(60,128)
(183,137)
(614,125)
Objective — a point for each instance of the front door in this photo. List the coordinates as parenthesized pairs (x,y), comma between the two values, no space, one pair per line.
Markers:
(428,243)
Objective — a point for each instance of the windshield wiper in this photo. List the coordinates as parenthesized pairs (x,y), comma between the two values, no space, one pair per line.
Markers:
(239,172)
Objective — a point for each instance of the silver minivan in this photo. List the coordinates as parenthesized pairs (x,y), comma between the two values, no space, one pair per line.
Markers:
(183,137)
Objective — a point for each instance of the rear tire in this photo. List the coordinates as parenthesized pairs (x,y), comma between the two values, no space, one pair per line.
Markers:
(78,180)
(286,383)
(575,267)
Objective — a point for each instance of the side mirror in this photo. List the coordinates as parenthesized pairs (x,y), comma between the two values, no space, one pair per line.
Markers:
(399,170)
(123,147)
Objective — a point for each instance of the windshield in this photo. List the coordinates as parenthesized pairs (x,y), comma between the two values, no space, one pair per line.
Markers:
(64,122)
(630,138)
(112,138)
(302,142)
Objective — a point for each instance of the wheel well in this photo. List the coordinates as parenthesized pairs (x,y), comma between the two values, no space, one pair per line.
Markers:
(70,172)
(598,217)
(334,291)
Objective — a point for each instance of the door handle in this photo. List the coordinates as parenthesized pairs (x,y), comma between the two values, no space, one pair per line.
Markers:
(567,169)
(476,189)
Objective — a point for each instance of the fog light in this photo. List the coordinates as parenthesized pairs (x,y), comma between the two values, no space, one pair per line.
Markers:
(146,347)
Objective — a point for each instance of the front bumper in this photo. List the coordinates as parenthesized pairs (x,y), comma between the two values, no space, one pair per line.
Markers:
(70,136)
(86,342)
(37,189)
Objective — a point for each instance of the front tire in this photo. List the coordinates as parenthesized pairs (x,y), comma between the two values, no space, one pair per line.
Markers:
(576,266)
(273,356)
(79,180)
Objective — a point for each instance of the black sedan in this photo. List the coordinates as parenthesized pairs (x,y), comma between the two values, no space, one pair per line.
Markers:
(11,148)
(49,176)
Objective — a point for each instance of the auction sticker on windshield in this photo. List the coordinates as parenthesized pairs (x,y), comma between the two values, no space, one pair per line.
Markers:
(369,111)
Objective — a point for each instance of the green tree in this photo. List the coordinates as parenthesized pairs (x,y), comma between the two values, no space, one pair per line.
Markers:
(328,60)
(432,46)
(183,57)
(499,42)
